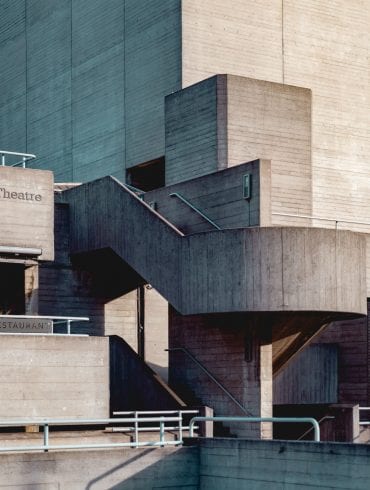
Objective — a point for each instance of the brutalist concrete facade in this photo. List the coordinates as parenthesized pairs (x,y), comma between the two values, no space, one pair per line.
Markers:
(106,88)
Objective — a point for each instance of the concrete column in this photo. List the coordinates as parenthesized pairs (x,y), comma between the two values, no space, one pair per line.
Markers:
(257,380)
(31,289)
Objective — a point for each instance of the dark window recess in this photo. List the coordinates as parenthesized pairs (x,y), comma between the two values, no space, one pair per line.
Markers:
(147,176)
(12,299)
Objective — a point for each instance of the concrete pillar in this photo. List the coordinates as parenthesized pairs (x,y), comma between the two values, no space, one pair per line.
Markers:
(31,289)
(257,381)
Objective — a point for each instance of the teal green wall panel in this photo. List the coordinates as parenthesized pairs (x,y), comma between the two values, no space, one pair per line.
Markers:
(13,68)
(13,133)
(49,131)
(84,81)
(97,26)
(11,19)
(153,70)
(13,129)
(98,115)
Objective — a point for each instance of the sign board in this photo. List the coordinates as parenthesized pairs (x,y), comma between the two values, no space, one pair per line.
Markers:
(24,325)
(27,210)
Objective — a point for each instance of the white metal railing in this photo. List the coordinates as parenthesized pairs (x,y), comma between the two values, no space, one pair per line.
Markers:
(47,423)
(289,420)
(335,221)
(138,416)
(56,320)
(364,409)
(24,158)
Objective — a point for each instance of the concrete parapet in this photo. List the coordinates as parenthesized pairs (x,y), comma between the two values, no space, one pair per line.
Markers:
(47,376)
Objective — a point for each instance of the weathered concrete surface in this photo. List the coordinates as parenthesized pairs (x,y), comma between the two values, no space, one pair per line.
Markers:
(131,469)
(227,120)
(320,45)
(257,269)
(211,464)
(47,376)
(134,385)
(156,332)
(65,288)
(311,377)
(27,209)
(237,351)
(281,465)
(219,195)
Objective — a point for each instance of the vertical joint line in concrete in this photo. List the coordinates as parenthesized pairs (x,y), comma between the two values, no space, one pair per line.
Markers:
(124,96)
(71,90)
(282,269)
(282,41)
(26,68)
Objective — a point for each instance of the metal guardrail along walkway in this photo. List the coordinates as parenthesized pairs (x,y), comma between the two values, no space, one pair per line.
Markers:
(161,428)
(289,420)
(25,158)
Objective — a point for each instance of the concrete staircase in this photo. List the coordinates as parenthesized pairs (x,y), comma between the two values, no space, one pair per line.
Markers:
(266,272)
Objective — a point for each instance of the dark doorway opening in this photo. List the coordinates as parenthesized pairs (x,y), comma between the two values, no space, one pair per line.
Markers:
(12,296)
(147,176)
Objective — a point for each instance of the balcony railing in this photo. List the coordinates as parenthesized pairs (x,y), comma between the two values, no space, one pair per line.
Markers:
(25,157)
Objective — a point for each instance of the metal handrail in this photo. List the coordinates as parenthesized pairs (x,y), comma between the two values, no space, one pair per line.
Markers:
(365,422)
(327,417)
(309,420)
(47,423)
(25,158)
(55,319)
(137,191)
(146,205)
(155,412)
(319,218)
(194,208)
(220,385)
(180,428)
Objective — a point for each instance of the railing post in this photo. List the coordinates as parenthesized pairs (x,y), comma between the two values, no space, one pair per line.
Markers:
(161,431)
(46,438)
(3,159)
(180,426)
(69,327)
(191,427)
(24,162)
(136,430)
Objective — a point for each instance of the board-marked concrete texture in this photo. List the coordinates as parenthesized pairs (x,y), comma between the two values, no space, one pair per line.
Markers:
(27,210)
(54,377)
(329,277)
(227,120)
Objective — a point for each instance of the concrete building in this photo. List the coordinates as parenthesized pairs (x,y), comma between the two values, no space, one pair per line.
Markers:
(200,193)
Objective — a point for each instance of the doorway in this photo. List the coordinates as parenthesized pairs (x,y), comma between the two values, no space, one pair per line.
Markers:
(12,296)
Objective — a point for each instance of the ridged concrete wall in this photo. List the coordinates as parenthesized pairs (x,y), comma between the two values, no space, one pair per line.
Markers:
(83,82)
(323,46)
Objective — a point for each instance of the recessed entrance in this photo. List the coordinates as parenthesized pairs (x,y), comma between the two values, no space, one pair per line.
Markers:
(12,298)
(147,176)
